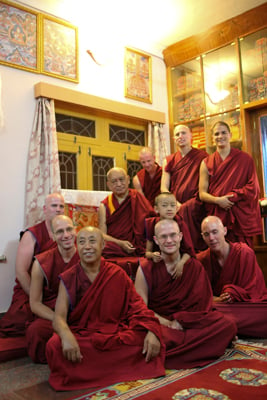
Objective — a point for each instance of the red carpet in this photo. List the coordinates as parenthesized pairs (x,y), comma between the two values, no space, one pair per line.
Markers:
(241,374)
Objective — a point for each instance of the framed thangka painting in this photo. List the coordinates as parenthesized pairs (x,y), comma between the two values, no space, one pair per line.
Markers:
(19,44)
(59,49)
(138,79)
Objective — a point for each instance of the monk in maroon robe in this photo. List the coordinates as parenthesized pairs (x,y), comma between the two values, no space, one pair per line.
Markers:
(44,285)
(34,240)
(194,333)
(147,180)
(180,176)
(166,208)
(105,333)
(230,189)
(237,281)
(121,217)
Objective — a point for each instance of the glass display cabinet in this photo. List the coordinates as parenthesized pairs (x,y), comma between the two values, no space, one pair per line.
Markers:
(253,55)
(187,95)
(221,71)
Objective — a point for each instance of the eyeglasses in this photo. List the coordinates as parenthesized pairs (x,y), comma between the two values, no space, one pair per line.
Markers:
(114,181)
(172,236)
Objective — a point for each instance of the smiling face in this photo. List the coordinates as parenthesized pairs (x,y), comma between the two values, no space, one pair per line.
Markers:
(168,236)
(213,233)
(221,135)
(90,244)
(63,232)
(182,136)
(147,160)
(166,205)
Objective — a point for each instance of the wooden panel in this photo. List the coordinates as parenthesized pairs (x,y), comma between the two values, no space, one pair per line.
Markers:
(74,97)
(216,37)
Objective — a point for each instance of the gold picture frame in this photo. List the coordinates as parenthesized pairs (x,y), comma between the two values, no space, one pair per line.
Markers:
(138,75)
(59,52)
(19,37)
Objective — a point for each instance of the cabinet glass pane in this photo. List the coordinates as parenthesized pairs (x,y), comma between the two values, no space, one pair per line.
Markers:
(253,52)
(198,134)
(221,79)
(233,120)
(187,98)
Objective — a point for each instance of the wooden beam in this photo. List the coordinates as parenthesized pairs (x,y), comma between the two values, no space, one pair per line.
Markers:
(217,36)
(99,104)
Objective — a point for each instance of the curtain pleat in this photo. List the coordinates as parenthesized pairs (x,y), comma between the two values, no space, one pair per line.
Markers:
(43,174)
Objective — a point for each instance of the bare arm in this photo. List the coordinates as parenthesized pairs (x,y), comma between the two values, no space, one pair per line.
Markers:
(70,346)
(36,294)
(124,244)
(180,265)
(137,185)
(165,179)
(221,201)
(142,290)
(24,259)
(155,256)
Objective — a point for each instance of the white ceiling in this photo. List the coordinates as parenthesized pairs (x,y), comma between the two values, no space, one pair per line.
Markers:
(149,25)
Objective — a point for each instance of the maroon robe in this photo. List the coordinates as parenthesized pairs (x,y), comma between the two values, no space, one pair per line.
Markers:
(186,243)
(40,330)
(110,326)
(125,221)
(19,312)
(243,279)
(235,175)
(184,177)
(150,186)
(188,299)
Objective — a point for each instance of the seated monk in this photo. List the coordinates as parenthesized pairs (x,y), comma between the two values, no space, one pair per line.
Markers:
(104,331)
(44,285)
(166,208)
(34,240)
(237,281)
(147,180)
(121,218)
(194,333)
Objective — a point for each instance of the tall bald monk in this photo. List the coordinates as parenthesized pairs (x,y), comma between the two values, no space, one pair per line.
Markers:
(229,187)
(147,180)
(34,240)
(180,176)
(121,217)
(194,334)
(104,331)
(237,281)
(44,285)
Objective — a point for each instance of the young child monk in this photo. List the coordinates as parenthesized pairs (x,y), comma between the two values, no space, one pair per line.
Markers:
(166,208)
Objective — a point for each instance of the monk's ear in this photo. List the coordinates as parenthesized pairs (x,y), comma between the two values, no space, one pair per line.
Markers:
(156,209)
(225,230)
(155,240)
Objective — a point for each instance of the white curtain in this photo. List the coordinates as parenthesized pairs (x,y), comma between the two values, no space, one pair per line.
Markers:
(157,141)
(43,175)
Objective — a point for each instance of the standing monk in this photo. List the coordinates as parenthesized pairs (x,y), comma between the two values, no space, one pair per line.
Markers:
(236,279)
(229,187)
(180,176)
(194,334)
(104,331)
(121,217)
(147,180)
(35,240)
(44,285)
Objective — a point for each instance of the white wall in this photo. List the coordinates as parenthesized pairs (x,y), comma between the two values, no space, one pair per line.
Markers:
(18,105)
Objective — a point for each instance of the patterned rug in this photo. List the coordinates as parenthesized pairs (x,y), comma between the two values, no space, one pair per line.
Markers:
(240,374)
